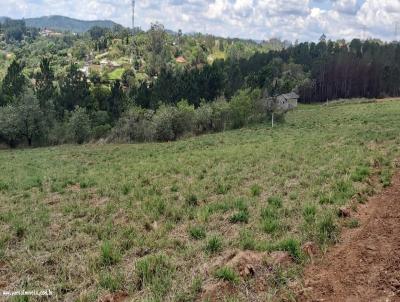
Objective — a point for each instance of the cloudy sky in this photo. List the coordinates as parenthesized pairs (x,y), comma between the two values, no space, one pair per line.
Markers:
(257,19)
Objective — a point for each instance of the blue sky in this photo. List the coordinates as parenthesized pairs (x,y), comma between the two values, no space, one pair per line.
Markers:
(256,19)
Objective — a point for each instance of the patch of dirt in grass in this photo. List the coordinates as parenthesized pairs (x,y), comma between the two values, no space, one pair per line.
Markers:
(118,297)
(253,270)
(365,265)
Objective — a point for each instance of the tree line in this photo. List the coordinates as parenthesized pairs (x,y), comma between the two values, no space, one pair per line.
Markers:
(47,109)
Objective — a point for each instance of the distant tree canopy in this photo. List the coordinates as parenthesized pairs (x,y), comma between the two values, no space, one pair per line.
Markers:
(159,85)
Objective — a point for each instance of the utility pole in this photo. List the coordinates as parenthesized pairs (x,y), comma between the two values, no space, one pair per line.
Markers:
(133,16)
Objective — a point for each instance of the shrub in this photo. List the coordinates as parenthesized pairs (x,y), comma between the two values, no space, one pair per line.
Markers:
(227,274)
(164,123)
(241,108)
(136,125)
(79,126)
(221,118)
(184,119)
(203,118)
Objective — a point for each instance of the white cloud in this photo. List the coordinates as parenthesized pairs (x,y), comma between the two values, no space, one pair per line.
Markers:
(258,19)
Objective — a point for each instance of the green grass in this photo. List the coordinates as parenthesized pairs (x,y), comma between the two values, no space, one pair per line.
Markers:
(227,274)
(116,74)
(69,215)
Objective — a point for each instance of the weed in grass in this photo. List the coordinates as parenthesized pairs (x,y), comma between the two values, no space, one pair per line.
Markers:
(325,199)
(247,240)
(255,190)
(309,212)
(360,174)
(154,272)
(222,189)
(109,254)
(111,282)
(343,190)
(226,274)
(292,246)
(192,200)
(240,204)
(386,178)
(20,228)
(214,245)
(126,189)
(353,223)
(197,232)
(174,188)
(3,186)
(270,225)
(275,201)
(327,229)
(241,216)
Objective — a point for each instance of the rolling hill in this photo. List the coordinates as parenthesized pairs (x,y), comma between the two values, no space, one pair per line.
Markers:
(67,24)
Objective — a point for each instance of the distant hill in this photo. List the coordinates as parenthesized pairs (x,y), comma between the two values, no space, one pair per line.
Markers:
(62,23)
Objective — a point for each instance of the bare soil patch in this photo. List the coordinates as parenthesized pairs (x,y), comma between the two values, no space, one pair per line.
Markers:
(365,265)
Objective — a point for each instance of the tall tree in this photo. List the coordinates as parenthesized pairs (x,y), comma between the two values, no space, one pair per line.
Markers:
(74,90)
(14,81)
(44,85)
(116,102)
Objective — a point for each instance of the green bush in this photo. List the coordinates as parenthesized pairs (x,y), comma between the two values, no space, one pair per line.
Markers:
(164,123)
(79,126)
(203,118)
(136,125)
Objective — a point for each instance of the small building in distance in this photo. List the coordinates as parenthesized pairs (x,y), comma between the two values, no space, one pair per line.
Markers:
(288,101)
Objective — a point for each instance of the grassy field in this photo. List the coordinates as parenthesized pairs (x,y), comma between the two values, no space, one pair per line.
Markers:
(145,219)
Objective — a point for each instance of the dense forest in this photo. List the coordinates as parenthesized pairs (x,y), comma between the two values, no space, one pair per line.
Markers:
(60,87)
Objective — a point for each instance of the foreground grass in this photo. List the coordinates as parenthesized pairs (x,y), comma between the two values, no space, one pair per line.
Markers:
(145,219)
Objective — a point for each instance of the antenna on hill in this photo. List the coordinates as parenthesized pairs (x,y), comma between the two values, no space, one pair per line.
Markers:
(133,16)
(364,35)
(396,31)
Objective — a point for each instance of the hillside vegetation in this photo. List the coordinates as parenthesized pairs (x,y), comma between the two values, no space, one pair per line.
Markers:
(147,220)
(62,23)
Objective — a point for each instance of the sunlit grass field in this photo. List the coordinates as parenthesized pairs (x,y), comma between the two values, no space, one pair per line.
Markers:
(145,219)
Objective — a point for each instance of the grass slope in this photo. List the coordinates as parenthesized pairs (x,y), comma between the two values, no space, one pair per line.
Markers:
(144,219)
